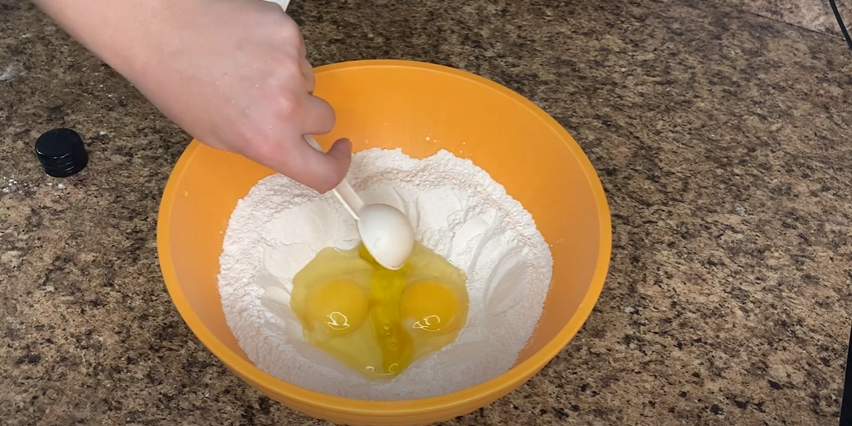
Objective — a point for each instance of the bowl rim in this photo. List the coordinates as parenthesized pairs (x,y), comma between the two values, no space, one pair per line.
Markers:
(492,389)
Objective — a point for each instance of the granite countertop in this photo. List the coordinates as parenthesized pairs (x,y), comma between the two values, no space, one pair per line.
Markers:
(722,139)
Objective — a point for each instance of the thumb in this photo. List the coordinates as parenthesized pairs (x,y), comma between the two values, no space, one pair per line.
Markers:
(316,169)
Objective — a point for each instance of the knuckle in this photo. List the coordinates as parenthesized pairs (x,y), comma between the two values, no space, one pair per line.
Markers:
(286,30)
(290,73)
(290,29)
(287,103)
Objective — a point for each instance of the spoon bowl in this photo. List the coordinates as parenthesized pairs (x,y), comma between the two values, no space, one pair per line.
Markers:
(387,234)
(385,230)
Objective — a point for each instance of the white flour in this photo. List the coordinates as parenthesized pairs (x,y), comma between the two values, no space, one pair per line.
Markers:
(457,210)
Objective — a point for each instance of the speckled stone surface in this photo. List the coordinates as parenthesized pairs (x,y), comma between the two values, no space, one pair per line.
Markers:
(722,140)
(815,15)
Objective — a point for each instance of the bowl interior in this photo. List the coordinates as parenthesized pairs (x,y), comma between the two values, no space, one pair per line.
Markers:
(420,108)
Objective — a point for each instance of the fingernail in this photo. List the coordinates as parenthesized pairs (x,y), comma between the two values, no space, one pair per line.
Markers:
(343,144)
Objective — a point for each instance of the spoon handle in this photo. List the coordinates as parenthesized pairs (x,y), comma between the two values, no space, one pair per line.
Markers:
(344,192)
(349,198)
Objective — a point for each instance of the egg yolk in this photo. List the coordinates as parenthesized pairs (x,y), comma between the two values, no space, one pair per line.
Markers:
(378,321)
(429,306)
(336,307)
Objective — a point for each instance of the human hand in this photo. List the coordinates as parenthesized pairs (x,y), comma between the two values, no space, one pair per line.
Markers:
(234,74)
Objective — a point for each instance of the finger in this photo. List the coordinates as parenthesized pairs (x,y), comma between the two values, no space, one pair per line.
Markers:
(300,42)
(316,169)
(308,73)
(317,116)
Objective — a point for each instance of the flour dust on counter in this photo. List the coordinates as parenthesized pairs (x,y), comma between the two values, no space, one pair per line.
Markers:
(457,210)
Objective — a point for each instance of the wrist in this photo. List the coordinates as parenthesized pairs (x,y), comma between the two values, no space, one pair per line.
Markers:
(124,34)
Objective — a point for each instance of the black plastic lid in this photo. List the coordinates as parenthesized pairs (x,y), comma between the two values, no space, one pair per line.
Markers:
(61,152)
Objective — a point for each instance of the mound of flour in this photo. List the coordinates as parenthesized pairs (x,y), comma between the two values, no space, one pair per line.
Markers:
(457,210)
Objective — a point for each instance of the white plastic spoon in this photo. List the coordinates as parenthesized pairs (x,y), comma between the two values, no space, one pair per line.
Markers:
(385,230)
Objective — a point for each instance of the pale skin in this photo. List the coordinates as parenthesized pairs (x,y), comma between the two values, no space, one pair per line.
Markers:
(232,73)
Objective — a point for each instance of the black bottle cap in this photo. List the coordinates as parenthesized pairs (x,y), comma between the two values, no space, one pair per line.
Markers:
(61,152)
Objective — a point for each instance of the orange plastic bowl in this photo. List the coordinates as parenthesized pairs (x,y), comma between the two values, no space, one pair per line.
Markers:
(391,104)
